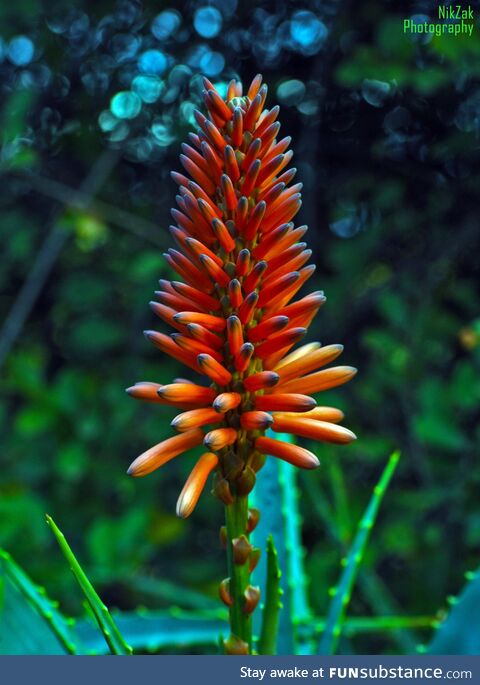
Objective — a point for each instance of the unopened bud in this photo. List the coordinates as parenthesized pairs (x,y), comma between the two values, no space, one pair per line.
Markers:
(253,519)
(234,645)
(241,550)
(258,460)
(221,489)
(224,592)
(253,559)
(232,465)
(245,481)
(252,597)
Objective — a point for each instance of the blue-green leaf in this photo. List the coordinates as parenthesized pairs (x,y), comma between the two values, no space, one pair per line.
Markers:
(459,633)
(276,496)
(30,622)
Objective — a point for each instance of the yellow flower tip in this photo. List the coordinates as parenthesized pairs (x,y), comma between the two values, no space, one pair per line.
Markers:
(195,484)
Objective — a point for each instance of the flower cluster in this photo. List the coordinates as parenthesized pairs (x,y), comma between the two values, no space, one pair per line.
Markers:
(241,263)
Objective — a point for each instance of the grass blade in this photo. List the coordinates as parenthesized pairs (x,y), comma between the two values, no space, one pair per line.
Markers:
(112,635)
(341,598)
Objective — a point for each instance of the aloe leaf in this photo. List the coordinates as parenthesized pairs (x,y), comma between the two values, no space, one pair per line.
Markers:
(459,633)
(373,588)
(351,563)
(267,643)
(154,631)
(30,622)
(276,496)
(112,635)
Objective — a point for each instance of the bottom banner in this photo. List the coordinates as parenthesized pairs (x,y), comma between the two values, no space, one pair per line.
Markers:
(219,670)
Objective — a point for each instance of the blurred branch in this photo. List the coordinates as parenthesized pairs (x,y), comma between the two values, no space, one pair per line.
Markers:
(80,199)
(48,255)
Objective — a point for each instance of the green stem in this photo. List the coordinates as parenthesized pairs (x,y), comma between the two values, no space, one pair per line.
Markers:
(236,515)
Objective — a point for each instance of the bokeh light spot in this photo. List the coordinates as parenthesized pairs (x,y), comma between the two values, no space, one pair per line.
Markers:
(307,32)
(20,50)
(207,22)
(291,92)
(212,63)
(149,88)
(152,62)
(165,24)
(375,92)
(126,105)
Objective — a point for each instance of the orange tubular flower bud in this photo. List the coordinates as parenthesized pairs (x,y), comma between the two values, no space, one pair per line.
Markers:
(204,335)
(243,263)
(158,455)
(235,293)
(311,428)
(247,308)
(284,402)
(309,362)
(220,438)
(235,334)
(260,381)
(223,236)
(226,401)
(194,419)
(213,369)
(282,341)
(242,360)
(192,489)
(329,414)
(206,302)
(214,323)
(293,454)
(256,420)
(216,273)
(322,380)
(187,392)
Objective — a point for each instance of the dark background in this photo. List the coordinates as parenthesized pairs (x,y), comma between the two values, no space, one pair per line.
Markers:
(386,133)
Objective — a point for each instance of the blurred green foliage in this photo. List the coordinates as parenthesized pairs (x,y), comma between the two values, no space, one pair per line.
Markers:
(386,143)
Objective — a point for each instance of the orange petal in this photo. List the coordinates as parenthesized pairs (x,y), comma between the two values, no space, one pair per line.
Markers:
(196,481)
(213,369)
(284,402)
(214,323)
(187,392)
(260,381)
(168,449)
(267,327)
(321,380)
(242,360)
(250,178)
(226,401)
(196,347)
(293,454)
(223,236)
(309,362)
(281,341)
(247,308)
(256,420)
(330,414)
(219,438)
(216,273)
(194,419)
(235,293)
(167,345)
(235,334)
(243,263)
(316,430)
(203,300)
(300,352)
